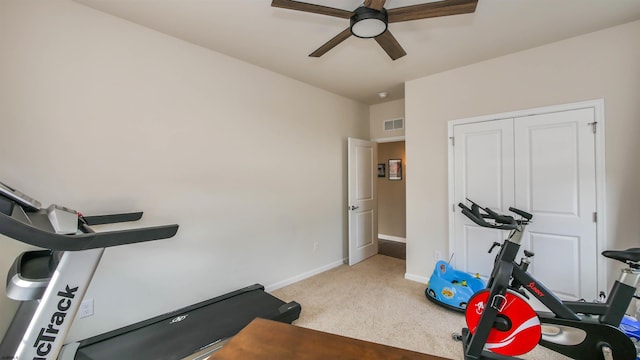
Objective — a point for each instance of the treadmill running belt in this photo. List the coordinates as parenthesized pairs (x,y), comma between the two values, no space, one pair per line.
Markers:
(179,334)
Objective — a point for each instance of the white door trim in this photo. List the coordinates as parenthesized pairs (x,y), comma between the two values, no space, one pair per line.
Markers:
(389,139)
(598,108)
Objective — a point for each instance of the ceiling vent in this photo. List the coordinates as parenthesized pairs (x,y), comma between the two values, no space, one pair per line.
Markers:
(394,124)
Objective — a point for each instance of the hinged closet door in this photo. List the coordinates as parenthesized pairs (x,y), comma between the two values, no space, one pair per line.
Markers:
(555,180)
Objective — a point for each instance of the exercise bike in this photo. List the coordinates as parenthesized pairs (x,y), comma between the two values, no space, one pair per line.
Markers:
(501,324)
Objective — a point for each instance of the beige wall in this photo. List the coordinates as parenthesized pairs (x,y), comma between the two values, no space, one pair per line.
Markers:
(603,64)
(386,111)
(101,115)
(392,193)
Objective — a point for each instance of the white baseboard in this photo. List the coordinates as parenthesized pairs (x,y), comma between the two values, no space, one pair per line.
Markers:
(416,278)
(392,238)
(308,274)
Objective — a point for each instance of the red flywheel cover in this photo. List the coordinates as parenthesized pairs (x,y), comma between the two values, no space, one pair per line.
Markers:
(524,331)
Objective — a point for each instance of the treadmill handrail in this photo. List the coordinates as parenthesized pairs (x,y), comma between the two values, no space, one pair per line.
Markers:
(31,235)
(112,218)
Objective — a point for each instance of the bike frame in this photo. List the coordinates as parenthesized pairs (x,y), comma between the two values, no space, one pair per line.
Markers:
(505,269)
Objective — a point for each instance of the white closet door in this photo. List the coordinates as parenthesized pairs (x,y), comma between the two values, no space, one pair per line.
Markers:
(483,172)
(555,181)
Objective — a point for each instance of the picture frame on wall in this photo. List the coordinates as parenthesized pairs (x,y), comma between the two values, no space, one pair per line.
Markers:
(395,169)
(382,171)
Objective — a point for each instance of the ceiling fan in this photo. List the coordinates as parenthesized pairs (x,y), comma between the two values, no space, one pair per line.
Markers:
(370,20)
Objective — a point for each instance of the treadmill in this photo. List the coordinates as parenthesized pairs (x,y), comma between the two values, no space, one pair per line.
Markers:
(193,332)
(51,283)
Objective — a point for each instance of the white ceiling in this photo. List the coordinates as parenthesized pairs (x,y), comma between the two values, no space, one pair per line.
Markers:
(281,39)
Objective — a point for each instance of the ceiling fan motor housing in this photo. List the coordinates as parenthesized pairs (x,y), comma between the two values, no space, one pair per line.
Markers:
(368,23)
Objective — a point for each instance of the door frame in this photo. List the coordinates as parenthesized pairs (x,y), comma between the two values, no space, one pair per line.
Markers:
(390,140)
(598,110)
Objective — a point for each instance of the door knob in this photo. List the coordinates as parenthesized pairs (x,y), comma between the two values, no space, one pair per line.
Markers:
(353,207)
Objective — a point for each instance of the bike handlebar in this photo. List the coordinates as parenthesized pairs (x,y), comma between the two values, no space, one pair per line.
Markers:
(524,214)
(478,218)
(503,219)
(502,222)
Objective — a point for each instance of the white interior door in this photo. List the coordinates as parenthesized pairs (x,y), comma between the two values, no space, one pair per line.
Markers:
(543,164)
(363,226)
(483,154)
(555,181)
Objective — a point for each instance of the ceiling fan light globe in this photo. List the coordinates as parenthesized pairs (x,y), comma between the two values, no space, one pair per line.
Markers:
(368,28)
(368,23)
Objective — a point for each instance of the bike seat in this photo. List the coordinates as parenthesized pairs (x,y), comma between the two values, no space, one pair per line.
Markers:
(630,256)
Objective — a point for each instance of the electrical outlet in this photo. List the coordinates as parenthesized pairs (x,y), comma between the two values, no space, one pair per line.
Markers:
(437,255)
(86,308)
(316,245)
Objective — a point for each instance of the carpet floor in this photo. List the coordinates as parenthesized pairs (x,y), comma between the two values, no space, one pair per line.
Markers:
(373,301)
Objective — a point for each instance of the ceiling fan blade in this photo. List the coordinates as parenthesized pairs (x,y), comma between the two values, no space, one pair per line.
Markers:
(312,8)
(434,9)
(390,45)
(374,4)
(332,43)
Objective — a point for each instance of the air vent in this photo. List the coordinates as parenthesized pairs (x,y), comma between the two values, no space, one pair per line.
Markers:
(394,124)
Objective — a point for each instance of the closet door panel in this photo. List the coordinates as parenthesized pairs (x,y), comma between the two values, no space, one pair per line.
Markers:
(555,181)
(483,167)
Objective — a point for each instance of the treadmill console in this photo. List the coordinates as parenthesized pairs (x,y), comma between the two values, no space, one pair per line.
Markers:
(24,200)
(60,218)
